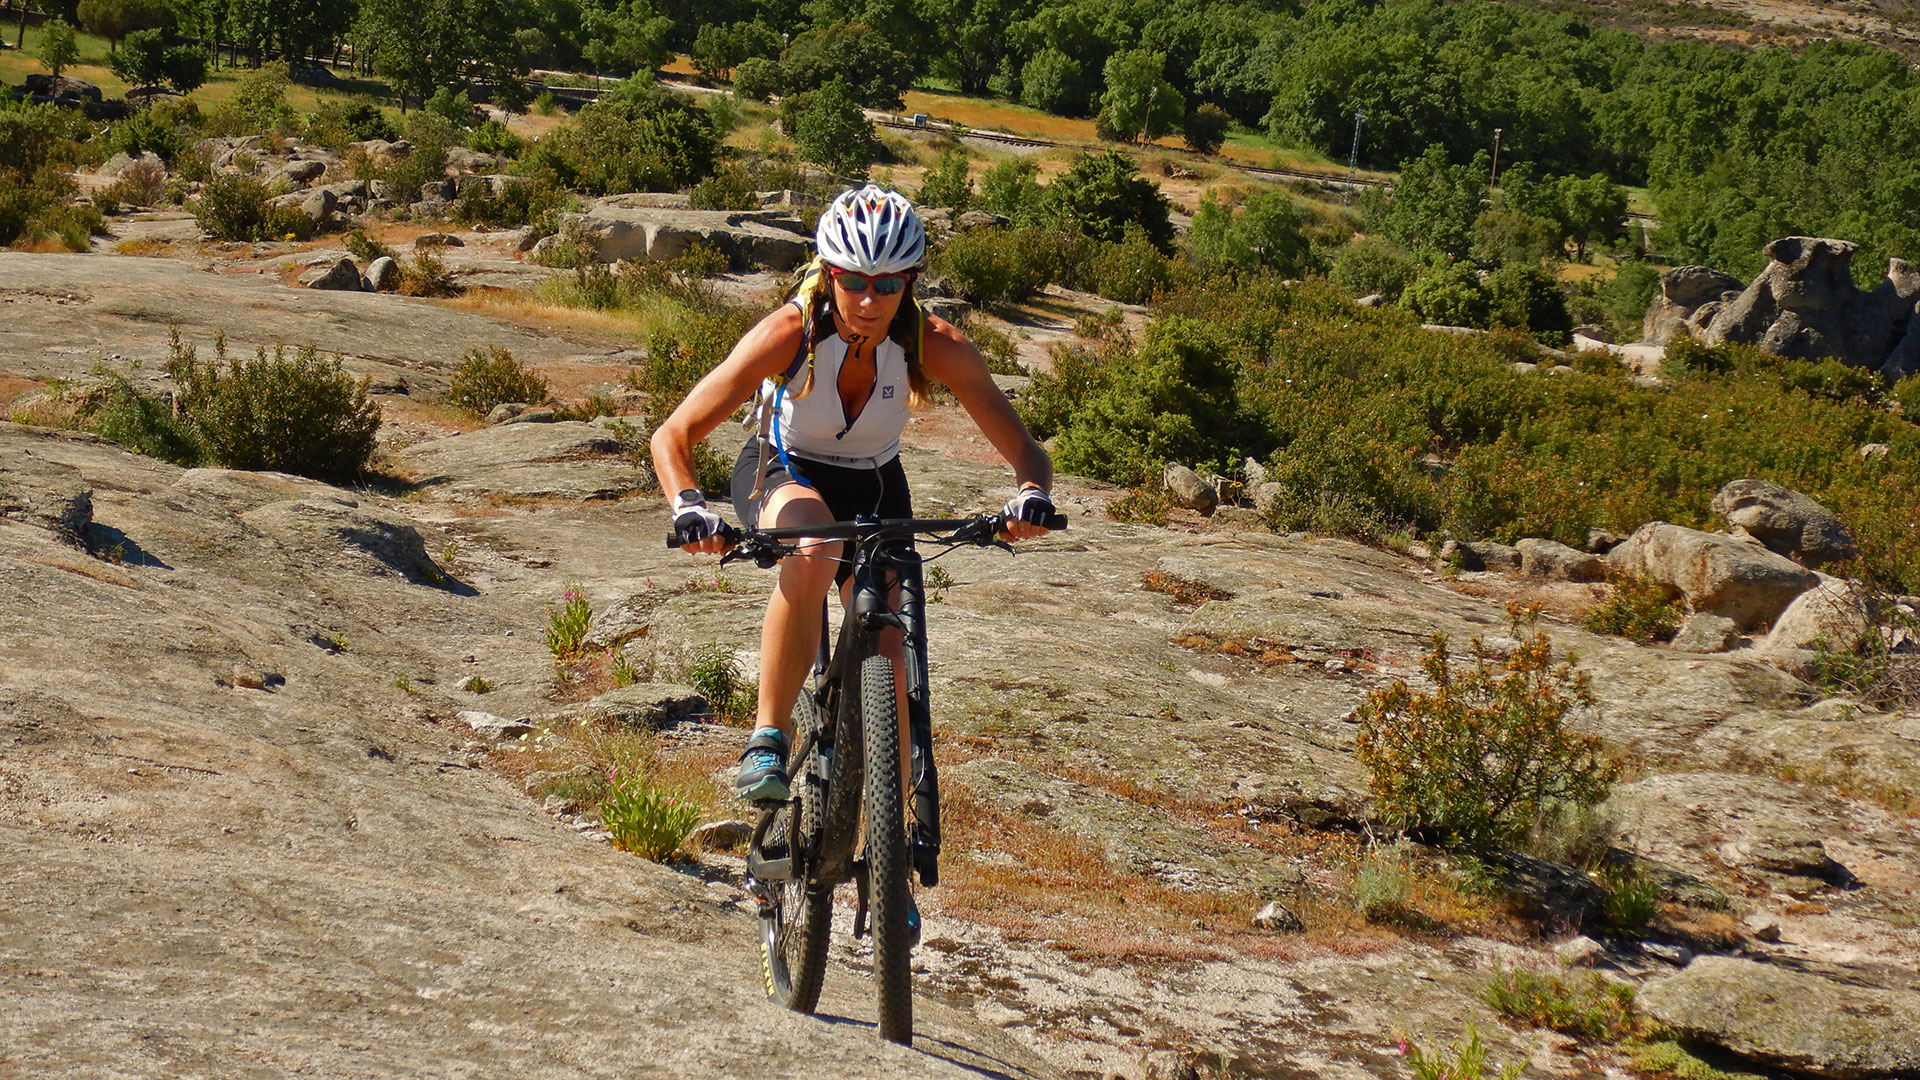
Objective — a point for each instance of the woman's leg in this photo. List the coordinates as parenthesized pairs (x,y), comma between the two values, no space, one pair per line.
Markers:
(790,633)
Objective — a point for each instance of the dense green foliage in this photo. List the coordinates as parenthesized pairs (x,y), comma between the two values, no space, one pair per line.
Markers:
(639,138)
(494,376)
(38,143)
(301,414)
(1249,370)
(829,128)
(147,58)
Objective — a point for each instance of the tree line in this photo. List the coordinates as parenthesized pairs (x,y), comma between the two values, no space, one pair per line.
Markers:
(1736,146)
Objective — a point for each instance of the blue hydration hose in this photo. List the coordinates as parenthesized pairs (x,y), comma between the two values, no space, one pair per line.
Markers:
(779,394)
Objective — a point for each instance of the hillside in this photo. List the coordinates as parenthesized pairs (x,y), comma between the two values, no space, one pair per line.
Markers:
(235,776)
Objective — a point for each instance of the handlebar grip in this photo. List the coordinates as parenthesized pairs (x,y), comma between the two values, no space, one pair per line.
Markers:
(727,532)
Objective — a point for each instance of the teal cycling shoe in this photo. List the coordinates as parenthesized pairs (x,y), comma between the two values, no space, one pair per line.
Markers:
(913,924)
(762,776)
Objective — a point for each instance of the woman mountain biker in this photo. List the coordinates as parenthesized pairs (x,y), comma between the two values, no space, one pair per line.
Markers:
(869,352)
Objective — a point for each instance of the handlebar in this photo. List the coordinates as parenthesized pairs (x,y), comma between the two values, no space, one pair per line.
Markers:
(768,546)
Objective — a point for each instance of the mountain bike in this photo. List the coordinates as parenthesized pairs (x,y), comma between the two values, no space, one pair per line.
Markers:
(845,820)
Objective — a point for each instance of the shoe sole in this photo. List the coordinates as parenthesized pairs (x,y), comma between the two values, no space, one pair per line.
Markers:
(770,789)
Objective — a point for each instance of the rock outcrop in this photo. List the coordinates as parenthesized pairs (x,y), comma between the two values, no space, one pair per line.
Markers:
(1784,1019)
(1690,296)
(625,227)
(1718,574)
(1787,522)
(1804,306)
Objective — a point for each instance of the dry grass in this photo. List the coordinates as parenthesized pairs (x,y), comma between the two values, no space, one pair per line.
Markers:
(12,386)
(146,246)
(1264,651)
(96,571)
(1183,590)
(522,308)
(46,412)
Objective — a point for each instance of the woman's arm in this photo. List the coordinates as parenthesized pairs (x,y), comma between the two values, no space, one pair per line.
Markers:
(953,360)
(765,351)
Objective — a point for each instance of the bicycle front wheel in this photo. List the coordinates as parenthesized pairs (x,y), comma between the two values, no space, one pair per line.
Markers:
(794,928)
(888,860)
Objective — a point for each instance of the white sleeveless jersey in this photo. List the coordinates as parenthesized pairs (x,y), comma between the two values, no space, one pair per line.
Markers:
(816,426)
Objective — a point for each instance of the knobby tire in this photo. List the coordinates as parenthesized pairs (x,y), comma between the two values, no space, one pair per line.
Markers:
(793,945)
(889,862)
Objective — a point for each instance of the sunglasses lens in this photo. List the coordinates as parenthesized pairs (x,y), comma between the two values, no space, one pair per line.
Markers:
(887,286)
(852,282)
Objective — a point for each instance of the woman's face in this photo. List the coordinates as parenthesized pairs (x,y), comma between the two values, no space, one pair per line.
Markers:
(867,313)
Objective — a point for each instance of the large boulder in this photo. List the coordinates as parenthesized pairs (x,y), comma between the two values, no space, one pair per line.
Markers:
(1804,306)
(617,228)
(1188,489)
(118,164)
(1784,1019)
(1684,290)
(1716,573)
(1787,522)
(340,276)
(1835,612)
(1551,559)
(41,84)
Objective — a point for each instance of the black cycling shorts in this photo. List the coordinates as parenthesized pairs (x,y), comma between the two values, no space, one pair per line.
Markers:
(849,493)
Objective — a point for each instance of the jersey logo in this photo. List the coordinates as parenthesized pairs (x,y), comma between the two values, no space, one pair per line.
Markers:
(886,391)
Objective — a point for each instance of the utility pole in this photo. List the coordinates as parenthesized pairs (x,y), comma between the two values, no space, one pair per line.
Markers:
(1495,174)
(1353,160)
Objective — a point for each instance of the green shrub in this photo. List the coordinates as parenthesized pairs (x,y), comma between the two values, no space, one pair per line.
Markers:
(990,267)
(1630,291)
(1172,400)
(365,248)
(1907,393)
(947,183)
(259,103)
(492,137)
(1632,902)
(638,138)
(1132,271)
(1527,298)
(1449,294)
(335,123)
(651,822)
(145,132)
(680,353)
(1479,758)
(830,129)
(140,421)
(1011,190)
(234,207)
(1373,267)
(758,78)
(1205,128)
(493,376)
(1101,194)
(302,415)
(515,204)
(1586,1006)
(995,345)
(729,189)
(1639,609)
(425,275)
(1268,233)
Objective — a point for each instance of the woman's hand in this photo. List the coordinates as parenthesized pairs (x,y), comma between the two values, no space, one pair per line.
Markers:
(1026,514)
(699,529)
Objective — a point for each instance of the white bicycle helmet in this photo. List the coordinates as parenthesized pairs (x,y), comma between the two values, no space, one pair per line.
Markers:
(872,231)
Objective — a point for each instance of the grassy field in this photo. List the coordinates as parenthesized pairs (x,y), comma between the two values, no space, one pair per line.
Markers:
(16,65)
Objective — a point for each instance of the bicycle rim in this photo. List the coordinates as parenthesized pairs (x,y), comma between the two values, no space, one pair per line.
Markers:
(794,934)
(888,860)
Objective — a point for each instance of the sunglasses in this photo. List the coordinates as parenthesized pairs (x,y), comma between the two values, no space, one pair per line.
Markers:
(884,284)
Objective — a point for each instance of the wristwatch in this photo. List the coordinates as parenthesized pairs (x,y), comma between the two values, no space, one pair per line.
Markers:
(687,499)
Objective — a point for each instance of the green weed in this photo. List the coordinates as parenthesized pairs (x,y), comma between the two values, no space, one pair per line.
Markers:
(649,821)
(567,626)
(1639,609)
(1467,1061)
(1585,1006)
